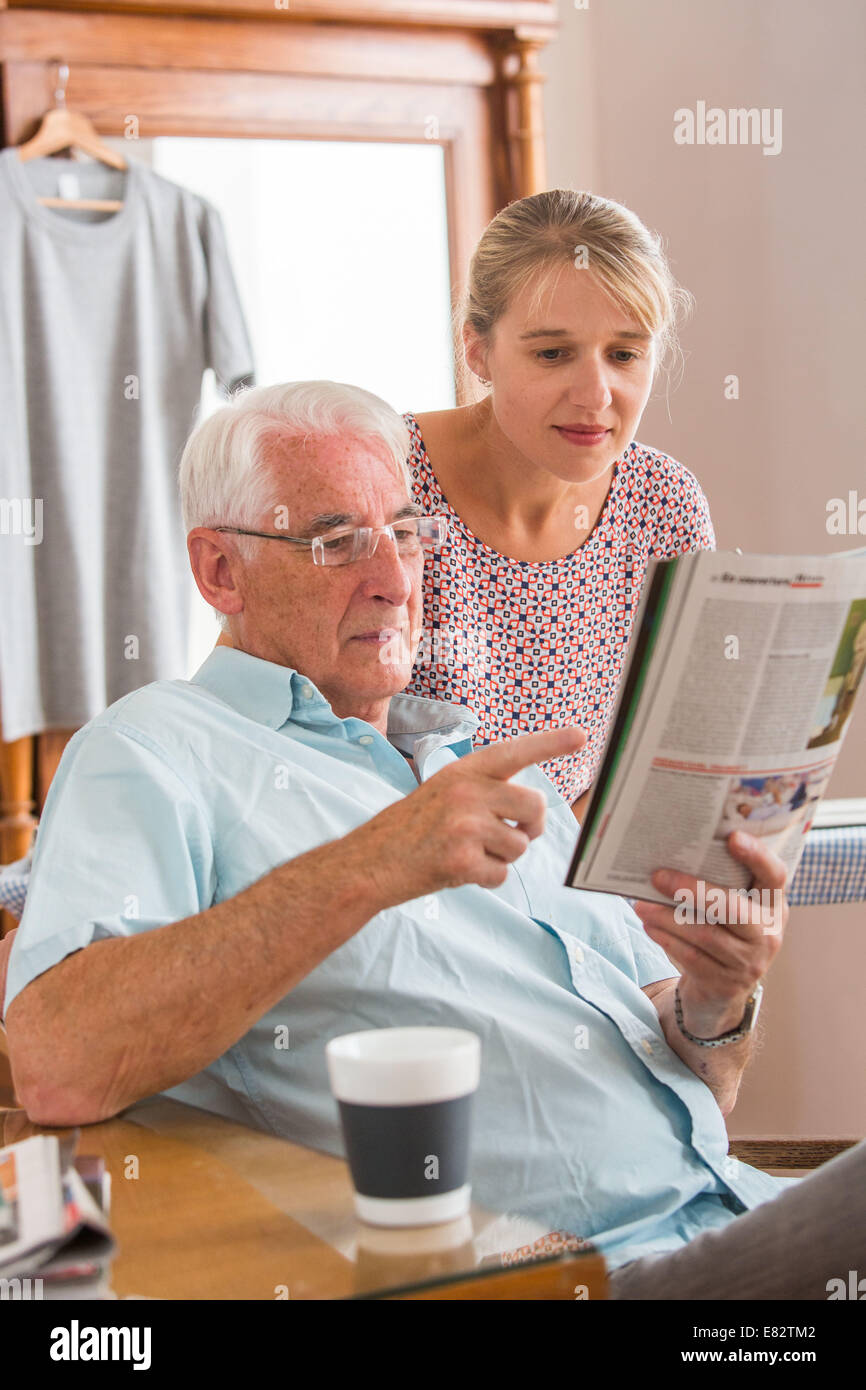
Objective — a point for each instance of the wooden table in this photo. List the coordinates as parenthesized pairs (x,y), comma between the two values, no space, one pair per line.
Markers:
(203,1208)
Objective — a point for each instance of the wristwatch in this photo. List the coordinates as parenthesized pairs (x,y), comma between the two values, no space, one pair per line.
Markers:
(750,1018)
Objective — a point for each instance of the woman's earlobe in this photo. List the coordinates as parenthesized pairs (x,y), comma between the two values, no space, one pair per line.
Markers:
(474,354)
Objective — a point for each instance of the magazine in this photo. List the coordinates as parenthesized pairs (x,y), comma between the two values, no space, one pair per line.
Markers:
(53,1222)
(737,691)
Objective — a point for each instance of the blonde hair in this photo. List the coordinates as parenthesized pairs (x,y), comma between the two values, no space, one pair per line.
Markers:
(541,234)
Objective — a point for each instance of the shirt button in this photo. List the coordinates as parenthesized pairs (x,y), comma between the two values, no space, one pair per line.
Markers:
(307,692)
(647,1046)
(577,955)
(366,738)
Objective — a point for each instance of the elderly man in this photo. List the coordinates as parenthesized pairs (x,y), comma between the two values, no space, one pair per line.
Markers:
(224,859)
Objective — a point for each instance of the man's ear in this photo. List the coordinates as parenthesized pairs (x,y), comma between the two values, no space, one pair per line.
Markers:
(213,562)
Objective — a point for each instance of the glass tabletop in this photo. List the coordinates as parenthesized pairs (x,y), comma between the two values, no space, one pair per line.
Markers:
(204,1208)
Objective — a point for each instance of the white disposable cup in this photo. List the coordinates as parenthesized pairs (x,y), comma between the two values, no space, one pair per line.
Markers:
(405,1098)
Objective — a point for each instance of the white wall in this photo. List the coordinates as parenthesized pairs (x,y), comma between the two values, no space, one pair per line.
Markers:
(772,248)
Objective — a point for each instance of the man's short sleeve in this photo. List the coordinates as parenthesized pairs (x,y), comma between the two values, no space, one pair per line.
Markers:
(651,962)
(227,343)
(123,846)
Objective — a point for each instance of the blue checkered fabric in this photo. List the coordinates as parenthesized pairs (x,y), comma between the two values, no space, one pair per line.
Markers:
(833,867)
(13,885)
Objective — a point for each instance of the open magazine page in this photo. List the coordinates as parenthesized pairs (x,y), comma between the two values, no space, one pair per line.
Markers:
(50,1223)
(746,695)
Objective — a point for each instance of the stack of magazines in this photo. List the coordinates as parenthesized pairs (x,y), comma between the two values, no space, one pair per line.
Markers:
(55,1241)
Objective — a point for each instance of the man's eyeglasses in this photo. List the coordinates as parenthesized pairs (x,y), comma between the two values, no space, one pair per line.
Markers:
(410,535)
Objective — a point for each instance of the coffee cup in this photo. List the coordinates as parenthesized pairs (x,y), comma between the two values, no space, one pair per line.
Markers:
(405,1102)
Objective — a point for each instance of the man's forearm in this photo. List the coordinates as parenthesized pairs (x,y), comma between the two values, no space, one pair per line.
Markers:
(721,1068)
(129,1016)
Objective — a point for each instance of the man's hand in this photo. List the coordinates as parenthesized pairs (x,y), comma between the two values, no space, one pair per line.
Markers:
(455,828)
(722,958)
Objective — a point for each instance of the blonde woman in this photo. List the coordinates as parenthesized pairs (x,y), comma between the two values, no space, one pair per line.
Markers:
(570,312)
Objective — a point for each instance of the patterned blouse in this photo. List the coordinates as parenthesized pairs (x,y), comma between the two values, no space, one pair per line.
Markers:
(534,645)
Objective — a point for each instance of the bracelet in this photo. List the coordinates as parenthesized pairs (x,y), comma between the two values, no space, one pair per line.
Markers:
(742,1030)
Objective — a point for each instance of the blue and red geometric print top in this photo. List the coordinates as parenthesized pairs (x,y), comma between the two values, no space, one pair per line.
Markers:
(534,645)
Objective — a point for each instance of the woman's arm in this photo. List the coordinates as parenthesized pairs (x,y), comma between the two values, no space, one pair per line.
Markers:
(579,806)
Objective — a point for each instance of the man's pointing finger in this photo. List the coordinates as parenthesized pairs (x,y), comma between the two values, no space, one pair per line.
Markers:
(504,759)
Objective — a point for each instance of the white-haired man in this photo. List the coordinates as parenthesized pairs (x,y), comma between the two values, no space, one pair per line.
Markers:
(288,842)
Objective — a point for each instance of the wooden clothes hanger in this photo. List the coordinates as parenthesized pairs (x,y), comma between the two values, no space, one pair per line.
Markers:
(62,129)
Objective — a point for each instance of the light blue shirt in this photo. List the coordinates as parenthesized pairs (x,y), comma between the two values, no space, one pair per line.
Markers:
(184,793)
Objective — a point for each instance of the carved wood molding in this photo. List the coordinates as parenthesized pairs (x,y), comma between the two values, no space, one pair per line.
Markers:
(524,18)
(210,44)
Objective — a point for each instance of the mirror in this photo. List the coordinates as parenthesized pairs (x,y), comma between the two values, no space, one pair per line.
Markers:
(340,254)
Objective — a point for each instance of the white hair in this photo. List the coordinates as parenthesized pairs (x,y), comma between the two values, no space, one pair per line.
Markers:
(226,477)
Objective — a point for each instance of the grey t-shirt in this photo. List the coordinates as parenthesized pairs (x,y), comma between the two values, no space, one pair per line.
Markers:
(107,322)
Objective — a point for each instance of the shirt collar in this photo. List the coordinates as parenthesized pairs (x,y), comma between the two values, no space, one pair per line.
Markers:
(272,695)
